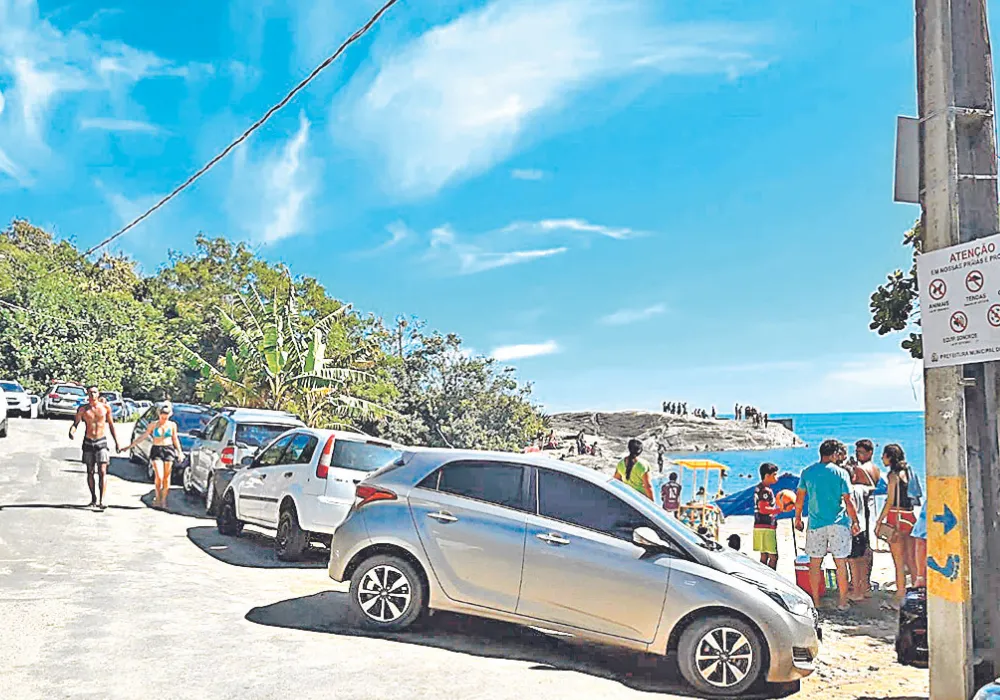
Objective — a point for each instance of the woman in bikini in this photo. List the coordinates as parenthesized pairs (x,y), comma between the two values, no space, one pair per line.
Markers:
(898,514)
(165,451)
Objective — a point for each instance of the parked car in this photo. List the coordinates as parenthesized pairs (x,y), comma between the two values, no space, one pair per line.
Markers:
(302,486)
(35,404)
(62,399)
(232,436)
(143,405)
(117,403)
(3,413)
(18,402)
(571,552)
(190,420)
(130,408)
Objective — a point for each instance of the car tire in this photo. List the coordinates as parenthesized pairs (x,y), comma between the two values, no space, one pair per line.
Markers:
(186,481)
(387,593)
(211,497)
(226,521)
(721,656)
(290,541)
(150,474)
(3,428)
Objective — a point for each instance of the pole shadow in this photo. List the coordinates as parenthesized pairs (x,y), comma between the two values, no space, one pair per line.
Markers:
(252,550)
(329,613)
(178,503)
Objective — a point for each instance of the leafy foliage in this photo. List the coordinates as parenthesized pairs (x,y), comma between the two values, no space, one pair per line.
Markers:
(220,324)
(895,305)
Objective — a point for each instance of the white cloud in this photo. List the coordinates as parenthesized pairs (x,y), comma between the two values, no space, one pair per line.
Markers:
(578,225)
(42,66)
(270,191)
(464,95)
(624,317)
(469,258)
(506,353)
(526,174)
(877,372)
(122,125)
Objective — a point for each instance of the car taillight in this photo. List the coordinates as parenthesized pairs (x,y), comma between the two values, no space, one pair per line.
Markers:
(369,494)
(228,456)
(54,397)
(325,458)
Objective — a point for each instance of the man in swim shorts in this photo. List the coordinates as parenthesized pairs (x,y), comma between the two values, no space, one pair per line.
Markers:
(96,416)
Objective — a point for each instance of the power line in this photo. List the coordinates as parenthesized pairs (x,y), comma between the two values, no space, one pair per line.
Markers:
(243,137)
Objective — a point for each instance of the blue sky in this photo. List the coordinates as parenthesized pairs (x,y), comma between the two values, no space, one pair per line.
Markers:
(628,200)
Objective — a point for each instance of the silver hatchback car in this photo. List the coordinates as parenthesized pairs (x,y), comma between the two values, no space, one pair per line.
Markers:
(571,552)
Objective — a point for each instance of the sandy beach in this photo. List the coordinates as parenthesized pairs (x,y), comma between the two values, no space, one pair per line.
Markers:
(858,658)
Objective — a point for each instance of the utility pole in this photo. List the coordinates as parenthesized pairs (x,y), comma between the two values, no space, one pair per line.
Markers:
(958,194)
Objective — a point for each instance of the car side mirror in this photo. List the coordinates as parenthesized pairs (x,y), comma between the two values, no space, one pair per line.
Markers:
(246,461)
(647,538)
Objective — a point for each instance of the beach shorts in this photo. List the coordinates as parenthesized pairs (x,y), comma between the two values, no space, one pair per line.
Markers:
(902,520)
(95,452)
(832,539)
(920,529)
(162,453)
(765,540)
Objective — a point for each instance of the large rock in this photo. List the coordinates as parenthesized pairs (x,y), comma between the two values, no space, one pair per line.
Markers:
(612,431)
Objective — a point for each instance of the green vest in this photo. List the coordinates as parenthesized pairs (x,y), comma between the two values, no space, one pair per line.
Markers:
(636,481)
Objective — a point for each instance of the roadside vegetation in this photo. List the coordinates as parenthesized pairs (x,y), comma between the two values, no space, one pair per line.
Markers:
(224,327)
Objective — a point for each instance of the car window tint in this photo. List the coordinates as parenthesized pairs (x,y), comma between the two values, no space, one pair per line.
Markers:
(430,481)
(492,482)
(71,391)
(272,455)
(300,450)
(188,420)
(11,386)
(578,502)
(362,456)
(217,429)
(257,434)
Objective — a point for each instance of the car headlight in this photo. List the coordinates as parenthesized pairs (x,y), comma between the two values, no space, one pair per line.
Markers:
(791,601)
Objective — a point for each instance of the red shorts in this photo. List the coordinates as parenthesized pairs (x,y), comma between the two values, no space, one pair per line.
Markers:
(902,520)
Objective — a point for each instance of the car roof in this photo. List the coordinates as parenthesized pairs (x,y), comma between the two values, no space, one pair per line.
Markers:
(429,455)
(191,408)
(262,415)
(323,433)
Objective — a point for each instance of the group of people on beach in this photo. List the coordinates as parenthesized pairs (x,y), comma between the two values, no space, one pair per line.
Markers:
(839,492)
(757,418)
(96,415)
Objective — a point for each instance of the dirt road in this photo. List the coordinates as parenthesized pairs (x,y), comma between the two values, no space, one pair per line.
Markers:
(134,602)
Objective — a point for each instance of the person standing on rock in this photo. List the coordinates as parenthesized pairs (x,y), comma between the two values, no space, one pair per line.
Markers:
(633,472)
(96,416)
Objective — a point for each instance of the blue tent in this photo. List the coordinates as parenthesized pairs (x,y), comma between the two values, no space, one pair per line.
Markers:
(741,503)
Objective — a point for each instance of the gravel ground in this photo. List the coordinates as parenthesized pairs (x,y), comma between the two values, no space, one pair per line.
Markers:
(134,602)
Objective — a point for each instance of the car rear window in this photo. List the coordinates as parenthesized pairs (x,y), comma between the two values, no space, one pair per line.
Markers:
(257,434)
(110,396)
(71,390)
(362,456)
(11,386)
(190,420)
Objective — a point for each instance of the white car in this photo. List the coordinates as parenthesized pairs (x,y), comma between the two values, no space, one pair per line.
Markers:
(18,402)
(302,485)
(3,413)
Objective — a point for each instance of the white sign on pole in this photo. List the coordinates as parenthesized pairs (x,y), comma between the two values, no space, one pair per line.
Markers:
(960,303)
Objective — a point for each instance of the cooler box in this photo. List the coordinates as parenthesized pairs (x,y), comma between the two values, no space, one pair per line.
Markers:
(802,576)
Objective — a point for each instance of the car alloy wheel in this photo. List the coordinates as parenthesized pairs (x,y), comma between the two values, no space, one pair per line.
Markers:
(186,481)
(210,495)
(384,593)
(724,657)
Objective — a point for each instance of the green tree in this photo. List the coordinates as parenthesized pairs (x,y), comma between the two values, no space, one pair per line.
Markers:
(449,398)
(282,359)
(895,305)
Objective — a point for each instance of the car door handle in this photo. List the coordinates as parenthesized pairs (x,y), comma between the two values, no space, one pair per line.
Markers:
(442,517)
(288,475)
(263,476)
(552,538)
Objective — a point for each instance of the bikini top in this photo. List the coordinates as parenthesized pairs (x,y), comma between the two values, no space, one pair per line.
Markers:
(166,430)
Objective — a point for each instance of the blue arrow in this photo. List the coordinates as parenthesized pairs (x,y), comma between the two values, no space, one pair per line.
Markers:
(950,568)
(947,519)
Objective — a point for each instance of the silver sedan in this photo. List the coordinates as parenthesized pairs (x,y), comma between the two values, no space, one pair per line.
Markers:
(572,553)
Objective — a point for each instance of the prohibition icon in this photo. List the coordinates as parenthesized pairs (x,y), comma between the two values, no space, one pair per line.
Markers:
(938,289)
(959,322)
(974,281)
(993,315)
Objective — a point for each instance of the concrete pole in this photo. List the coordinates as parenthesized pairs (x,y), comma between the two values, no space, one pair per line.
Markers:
(959,199)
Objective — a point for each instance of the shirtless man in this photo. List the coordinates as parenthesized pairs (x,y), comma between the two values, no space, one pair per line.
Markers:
(96,415)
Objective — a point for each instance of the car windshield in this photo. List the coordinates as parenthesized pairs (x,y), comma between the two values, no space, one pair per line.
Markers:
(110,396)
(71,391)
(675,528)
(257,434)
(11,386)
(362,456)
(190,420)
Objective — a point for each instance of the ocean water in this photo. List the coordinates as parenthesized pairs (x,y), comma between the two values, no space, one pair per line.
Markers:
(904,428)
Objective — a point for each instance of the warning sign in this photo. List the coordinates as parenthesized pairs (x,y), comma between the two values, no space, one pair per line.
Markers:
(960,303)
